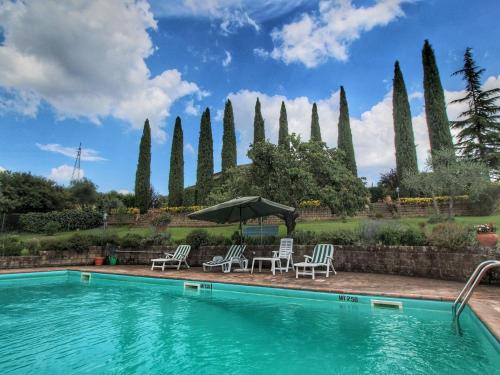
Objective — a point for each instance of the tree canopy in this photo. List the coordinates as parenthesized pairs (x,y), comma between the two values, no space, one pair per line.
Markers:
(228,139)
(205,168)
(176,175)
(479,124)
(259,132)
(143,173)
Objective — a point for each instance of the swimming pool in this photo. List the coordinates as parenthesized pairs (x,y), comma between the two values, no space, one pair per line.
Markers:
(65,322)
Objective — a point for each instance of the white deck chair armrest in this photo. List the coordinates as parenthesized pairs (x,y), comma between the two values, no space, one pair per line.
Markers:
(308,258)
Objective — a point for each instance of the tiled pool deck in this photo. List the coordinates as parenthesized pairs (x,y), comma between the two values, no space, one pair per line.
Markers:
(485,302)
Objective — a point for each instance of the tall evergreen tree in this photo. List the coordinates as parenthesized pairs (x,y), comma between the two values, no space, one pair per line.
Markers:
(205,168)
(259,133)
(435,106)
(406,152)
(344,141)
(283,131)
(228,139)
(143,173)
(315,129)
(479,125)
(176,177)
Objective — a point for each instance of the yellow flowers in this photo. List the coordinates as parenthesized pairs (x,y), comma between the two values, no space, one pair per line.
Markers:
(311,203)
(181,209)
(425,201)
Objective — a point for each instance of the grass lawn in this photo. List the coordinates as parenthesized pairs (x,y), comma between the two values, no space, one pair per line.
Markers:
(227,230)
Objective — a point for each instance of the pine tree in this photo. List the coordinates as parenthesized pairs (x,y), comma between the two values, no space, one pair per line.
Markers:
(176,177)
(344,141)
(283,131)
(143,173)
(479,125)
(259,134)
(435,106)
(315,129)
(205,168)
(406,152)
(228,139)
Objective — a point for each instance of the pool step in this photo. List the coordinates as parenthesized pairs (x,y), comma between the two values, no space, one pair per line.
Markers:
(197,287)
(387,304)
(86,277)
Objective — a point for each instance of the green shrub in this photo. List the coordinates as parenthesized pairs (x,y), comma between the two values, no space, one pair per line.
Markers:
(265,240)
(10,246)
(485,202)
(73,219)
(25,252)
(304,237)
(162,220)
(131,241)
(157,239)
(452,236)
(339,237)
(51,228)
(390,234)
(197,238)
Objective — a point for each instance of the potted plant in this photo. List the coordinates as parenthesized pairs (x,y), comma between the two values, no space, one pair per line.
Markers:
(99,260)
(111,251)
(486,235)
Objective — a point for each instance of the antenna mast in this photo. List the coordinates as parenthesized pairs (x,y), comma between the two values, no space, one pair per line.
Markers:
(75,176)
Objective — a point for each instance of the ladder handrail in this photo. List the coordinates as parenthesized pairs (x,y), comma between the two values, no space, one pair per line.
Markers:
(469,287)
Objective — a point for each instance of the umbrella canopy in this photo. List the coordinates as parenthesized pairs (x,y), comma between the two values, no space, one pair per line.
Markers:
(241,209)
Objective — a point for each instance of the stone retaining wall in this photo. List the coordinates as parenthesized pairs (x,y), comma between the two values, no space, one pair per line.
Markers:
(52,258)
(423,261)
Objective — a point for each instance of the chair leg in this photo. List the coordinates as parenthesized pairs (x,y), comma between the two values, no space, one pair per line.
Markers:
(313,273)
(297,272)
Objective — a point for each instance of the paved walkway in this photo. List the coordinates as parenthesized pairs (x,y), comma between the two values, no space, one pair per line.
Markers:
(485,302)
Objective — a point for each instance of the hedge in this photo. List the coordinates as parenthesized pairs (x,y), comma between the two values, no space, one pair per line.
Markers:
(67,220)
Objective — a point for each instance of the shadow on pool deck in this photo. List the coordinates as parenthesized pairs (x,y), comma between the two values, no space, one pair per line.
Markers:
(485,301)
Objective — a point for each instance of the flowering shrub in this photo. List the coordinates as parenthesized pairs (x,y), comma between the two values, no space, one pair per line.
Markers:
(311,203)
(125,211)
(486,228)
(181,209)
(425,201)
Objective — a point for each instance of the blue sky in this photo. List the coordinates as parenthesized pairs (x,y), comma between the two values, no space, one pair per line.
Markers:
(91,72)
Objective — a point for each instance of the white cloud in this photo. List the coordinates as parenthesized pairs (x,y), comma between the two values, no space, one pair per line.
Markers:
(261,52)
(227,60)
(188,148)
(87,60)
(125,192)
(192,109)
(328,33)
(2,169)
(231,15)
(87,154)
(63,173)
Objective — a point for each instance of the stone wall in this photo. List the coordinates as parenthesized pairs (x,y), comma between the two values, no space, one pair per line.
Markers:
(423,261)
(306,214)
(52,258)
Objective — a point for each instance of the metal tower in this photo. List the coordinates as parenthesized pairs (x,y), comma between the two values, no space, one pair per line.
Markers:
(75,176)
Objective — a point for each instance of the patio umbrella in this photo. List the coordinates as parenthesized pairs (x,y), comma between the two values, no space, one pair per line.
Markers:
(241,209)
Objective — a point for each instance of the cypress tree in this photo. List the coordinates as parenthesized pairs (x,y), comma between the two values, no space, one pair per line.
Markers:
(406,153)
(435,106)
(259,133)
(479,125)
(176,178)
(315,130)
(143,173)
(344,141)
(283,131)
(205,168)
(228,139)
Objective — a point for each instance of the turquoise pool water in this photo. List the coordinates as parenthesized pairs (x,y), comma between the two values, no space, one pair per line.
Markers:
(55,323)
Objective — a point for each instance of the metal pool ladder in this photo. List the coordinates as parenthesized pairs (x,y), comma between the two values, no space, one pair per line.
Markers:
(471,284)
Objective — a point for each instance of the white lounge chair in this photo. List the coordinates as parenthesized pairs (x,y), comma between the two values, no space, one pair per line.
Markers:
(234,255)
(176,259)
(322,257)
(285,253)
